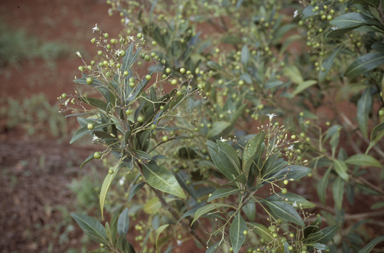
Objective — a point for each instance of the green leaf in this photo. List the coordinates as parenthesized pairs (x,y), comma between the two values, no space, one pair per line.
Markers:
(236,229)
(292,198)
(79,133)
(94,102)
(377,205)
(229,156)
(91,227)
(286,248)
(327,234)
(89,158)
(293,73)
(338,192)
(368,248)
(341,169)
(327,64)
(214,65)
(152,205)
(213,248)
(261,231)
(363,108)
(318,246)
(160,178)
(303,86)
(222,192)
(353,20)
(376,135)
(128,59)
(338,32)
(105,187)
(135,189)
(217,128)
(284,211)
(250,211)
(363,160)
(228,171)
(245,56)
(250,151)
(205,209)
(364,64)
(123,223)
(294,172)
(158,232)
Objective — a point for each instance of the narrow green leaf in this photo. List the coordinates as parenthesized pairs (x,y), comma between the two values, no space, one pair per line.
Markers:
(87,160)
(376,135)
(213,248)
(250,151)
(294,200)
(228,171)
(353,20)
(294,172)
(341,169)
(222,192)
(327,64)
(94,102)
(236,229)
(286,248)
(284,211)
(368,248)
(105,187)
(229,156)
(363,160)
(79,133)
(303,86)
(158,232)
(250,211)
(217,128)
(160,178)
(123,223)
(338,192)
(91,227)
(327,234)
(363,108)
(208,208)
(364,64)
(135,189)
(338,32)
(293,73)
(377,205)
(261,231)
(318,246)
(245,56)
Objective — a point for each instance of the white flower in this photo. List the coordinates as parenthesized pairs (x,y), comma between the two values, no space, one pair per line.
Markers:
(127,20)
(95,28)
(94,138)
(78,53)
(122,180)
(67,101)
(295,13)
(221,139)
(271,116)
(118,52)
(334,28)
(290,147)
(179,242)
(294,204)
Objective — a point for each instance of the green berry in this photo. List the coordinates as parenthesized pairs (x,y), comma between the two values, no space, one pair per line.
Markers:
(63,95)
(245,232)
(89,80)
(139,35)
(154,43)
(284,191)
(174,82)
(110,171)
(165,138)
(148,77)
(140,118)
(97,155)
(128,112)
(168,70)
(182,70)
(90,126)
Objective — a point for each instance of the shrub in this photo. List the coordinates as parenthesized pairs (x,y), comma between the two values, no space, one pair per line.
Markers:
(212,157)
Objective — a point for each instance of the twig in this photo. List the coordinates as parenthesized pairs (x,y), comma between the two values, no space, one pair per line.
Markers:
(369,184)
